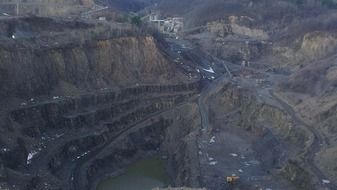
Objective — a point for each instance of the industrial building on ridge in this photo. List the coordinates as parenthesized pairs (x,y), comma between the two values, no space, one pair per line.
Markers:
(169,25)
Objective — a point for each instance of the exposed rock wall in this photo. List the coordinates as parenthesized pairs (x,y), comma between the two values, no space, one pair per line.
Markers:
(311,91)
(181,145)
(307,49)
(86,125)
(27,72)
(253,113)
(237,25)
(319,44)
(75,91)
(273,128)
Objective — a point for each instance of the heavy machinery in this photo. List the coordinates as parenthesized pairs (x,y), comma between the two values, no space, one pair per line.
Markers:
(232,179)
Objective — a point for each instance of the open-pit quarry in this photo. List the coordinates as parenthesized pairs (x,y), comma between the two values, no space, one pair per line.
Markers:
(89,105)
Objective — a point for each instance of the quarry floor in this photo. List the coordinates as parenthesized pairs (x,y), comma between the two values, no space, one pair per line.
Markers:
(225,150)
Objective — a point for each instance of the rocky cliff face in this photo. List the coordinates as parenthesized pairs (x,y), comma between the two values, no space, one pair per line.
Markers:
(237,25)
(319,44)
(29,71)
(78,96)
(311,46)
(181,145)
(312,92)
(267,128)
(96,64)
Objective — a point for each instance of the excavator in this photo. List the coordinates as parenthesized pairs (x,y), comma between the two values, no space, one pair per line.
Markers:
(232,179)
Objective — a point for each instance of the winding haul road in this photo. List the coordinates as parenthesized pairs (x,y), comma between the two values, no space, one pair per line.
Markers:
(206,93)
(318,139)
(75,177)
(316,145)
(210,89)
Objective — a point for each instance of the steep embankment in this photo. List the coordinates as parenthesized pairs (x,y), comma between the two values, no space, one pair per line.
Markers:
(269,143)
(95,64)
(71,94)
(33,67)
(311,91)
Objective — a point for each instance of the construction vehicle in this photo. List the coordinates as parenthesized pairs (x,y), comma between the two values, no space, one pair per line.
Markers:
(232,179)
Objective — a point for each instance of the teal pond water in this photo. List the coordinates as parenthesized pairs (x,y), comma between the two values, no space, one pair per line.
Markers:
(142,175)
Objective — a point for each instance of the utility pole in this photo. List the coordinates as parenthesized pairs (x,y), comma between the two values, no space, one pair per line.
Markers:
(17,7)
